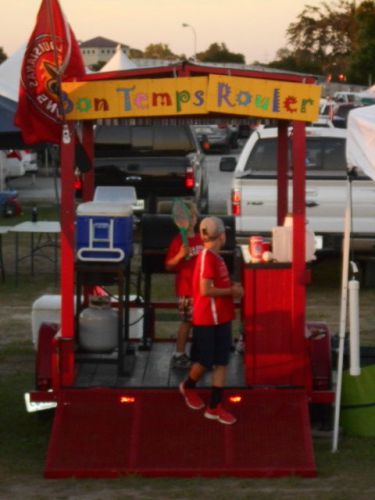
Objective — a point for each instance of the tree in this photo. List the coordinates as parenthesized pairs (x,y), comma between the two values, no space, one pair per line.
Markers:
(325,35)
(135,53)
(219,53)
(297,61)
(361,67)
(159,51)
(3,56)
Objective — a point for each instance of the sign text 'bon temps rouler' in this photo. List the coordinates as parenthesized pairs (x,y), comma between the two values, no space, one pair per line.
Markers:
(185,96)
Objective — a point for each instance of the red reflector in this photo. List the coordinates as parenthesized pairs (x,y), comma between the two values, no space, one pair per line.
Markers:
(77,184)
(235,399)
(127,399)
(189,183)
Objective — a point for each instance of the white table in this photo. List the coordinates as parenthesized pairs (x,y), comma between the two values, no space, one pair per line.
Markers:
(3,230)
(47,232)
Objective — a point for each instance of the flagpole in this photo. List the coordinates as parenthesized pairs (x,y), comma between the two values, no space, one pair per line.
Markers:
(65,129)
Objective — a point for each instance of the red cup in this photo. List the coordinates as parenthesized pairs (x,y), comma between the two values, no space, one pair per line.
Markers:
(266,246)
(256,248)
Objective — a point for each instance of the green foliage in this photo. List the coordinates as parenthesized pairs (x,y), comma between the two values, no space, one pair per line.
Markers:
(159,51)
(333,39)
(97,66)
(218,52)
(361,68)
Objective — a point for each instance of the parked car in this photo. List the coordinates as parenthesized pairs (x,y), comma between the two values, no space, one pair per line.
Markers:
(159,161)
(20,162)
(340,114)
(213,139)
(254,188)
(335,112)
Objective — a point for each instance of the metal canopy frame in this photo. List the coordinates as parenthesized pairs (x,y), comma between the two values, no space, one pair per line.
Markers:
(64,376)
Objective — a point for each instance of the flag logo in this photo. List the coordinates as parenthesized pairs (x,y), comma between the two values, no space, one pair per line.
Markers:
(52,56)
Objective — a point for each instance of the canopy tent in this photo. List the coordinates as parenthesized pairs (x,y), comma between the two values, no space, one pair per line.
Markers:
(360,143)
(119,61)
(10,71)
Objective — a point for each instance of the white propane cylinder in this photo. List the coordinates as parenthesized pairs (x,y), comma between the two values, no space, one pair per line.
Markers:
(98,325)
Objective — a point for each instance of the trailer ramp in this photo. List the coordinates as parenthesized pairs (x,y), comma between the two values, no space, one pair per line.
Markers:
(114,432)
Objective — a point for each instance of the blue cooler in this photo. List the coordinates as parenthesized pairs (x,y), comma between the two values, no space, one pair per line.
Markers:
(104,231)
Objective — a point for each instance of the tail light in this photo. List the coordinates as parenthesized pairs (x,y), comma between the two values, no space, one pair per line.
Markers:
(236,202)
(189,178)
(77,183)
(206,145)
(14,154)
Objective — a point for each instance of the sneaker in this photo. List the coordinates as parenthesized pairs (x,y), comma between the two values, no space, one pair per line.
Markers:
(191,397)
(182,361)
(223,416)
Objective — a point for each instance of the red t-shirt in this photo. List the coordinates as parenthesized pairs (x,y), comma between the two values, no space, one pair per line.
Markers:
(211,310)
(184,269)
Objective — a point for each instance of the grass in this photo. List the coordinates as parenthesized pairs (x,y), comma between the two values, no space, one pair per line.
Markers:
(347,474)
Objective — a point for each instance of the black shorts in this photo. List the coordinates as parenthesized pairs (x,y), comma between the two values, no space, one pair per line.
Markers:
(212,344)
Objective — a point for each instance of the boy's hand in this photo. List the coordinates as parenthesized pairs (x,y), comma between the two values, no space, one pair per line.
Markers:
(183,252)
(237,291)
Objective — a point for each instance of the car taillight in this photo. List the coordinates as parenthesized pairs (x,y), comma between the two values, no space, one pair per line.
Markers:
(14,154)
(189,178)
(236,202)
(77,183)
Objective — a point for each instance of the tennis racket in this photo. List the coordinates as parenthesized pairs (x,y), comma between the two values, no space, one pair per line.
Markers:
(182,218)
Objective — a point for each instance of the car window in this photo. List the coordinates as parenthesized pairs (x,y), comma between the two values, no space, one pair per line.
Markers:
(123,140)
(322,153)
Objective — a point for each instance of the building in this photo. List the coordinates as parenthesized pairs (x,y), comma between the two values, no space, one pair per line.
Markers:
(99,49)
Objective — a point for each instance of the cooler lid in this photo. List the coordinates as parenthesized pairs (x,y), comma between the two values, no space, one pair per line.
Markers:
(105,209)
(117,194)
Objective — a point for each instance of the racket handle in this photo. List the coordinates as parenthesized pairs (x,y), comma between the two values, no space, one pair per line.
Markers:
(185,240)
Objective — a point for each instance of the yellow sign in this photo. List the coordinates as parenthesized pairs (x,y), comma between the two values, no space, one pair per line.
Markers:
(135,98)
(184,96)
(263,98)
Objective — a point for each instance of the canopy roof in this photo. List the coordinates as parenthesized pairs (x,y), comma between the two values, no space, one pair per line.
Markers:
(187,68)
(10,71)
(360,143)
(119,61)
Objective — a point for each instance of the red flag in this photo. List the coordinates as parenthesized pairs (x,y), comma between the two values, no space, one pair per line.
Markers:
(52,56)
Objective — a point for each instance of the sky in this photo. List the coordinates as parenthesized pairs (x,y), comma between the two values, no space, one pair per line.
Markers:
(254,28)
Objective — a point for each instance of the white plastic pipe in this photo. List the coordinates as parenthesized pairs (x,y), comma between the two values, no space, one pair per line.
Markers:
(343,315)
(354,342)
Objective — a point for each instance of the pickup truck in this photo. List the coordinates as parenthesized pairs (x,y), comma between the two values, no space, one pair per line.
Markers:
(160,161)
(254,196)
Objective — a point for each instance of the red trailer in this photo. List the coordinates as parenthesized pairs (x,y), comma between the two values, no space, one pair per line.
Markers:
(106,427)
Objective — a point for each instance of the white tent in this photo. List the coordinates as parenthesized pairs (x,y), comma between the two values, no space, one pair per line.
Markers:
(10,72)
(118,61)
(360,142)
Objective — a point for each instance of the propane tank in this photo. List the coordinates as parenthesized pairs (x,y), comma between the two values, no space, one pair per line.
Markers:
(98,326)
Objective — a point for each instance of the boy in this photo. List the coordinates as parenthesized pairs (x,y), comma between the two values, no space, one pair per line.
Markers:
(181,260)
(213,312)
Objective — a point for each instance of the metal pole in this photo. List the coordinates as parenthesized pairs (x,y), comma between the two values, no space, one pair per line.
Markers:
(186,25)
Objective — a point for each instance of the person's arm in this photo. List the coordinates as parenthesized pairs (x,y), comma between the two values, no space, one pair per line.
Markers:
(208,289)
(173,261)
